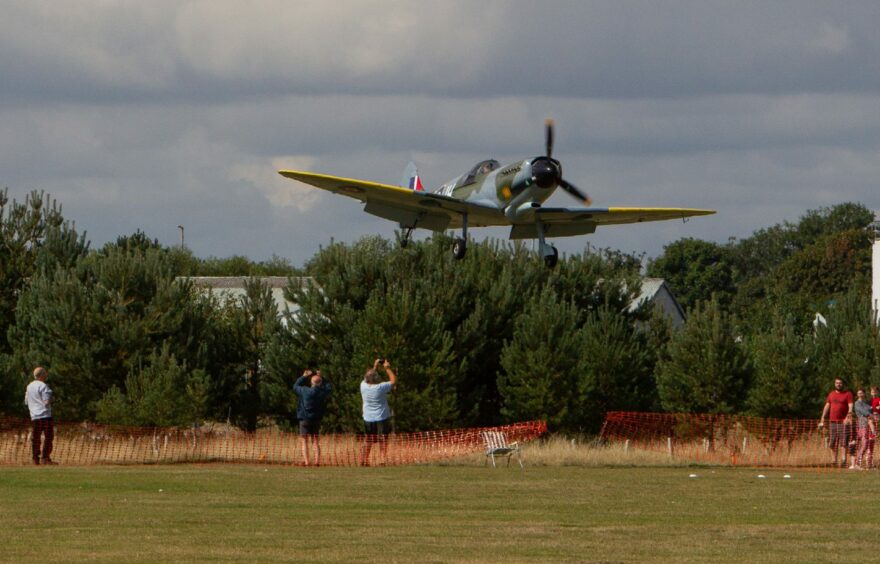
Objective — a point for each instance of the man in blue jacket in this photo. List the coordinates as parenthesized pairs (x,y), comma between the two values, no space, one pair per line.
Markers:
(313,392)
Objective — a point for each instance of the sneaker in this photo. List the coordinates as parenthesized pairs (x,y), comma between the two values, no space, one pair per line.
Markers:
(37,461)
(49,462)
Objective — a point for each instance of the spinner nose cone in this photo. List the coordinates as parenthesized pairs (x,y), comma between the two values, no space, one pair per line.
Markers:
(545,173)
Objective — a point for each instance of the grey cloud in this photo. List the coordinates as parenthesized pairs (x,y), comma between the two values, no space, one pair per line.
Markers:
(153,115)
(224,51)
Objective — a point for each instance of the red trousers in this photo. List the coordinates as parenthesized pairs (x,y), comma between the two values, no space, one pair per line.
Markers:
(43,426)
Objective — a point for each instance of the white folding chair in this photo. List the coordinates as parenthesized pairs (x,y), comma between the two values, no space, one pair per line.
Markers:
(497,445)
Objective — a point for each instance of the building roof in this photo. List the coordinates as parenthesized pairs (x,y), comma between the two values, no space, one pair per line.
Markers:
(652,288)
(230,282)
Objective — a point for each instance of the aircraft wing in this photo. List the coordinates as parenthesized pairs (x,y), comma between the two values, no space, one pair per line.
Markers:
(564,222)
(405,206)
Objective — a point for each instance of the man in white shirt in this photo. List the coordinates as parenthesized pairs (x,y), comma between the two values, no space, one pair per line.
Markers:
(38,397)
(377,414)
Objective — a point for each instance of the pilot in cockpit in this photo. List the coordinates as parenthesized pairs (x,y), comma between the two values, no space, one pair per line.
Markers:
(487,167)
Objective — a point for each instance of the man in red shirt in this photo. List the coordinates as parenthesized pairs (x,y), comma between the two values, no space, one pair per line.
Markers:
(838,408)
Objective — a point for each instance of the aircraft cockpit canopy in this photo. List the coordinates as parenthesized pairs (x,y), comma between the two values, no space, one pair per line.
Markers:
(482,167)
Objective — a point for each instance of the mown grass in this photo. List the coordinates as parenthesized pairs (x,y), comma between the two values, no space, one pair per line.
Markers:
(431,513)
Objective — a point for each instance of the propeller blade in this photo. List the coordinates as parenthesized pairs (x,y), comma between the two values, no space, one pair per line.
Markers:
(572,189)
(549,144)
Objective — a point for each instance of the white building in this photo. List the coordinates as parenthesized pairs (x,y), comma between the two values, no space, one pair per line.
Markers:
(656,291)
(233,287)
(875,268)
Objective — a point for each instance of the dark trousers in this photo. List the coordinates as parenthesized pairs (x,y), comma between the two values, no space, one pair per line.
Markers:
(43,426)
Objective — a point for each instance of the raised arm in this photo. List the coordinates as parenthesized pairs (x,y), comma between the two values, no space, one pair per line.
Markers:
(301,382)
(392,377)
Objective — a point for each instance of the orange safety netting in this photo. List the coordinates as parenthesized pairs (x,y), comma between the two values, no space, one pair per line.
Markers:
(738,440)
(89,444)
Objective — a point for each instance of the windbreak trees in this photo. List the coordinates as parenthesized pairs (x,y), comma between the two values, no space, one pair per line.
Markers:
(110,316)
(443,323)
(707,369)
(570,366)
(786,382)
(34,238)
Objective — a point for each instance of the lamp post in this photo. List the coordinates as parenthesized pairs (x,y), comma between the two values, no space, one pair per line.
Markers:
(181,236)
(874,228)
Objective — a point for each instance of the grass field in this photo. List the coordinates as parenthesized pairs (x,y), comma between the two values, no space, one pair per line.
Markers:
(432,513)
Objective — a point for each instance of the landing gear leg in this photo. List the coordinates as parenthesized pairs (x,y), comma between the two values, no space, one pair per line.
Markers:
(407,233)
(548,252)
(459,246)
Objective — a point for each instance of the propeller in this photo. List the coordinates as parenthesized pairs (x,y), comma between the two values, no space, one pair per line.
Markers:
(571,189)
(547,171)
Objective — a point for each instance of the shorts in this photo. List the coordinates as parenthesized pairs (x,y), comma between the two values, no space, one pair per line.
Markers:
(837,434)
(309,427)
(378,427)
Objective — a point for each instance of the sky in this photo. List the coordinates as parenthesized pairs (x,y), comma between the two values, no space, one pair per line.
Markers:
(149,115)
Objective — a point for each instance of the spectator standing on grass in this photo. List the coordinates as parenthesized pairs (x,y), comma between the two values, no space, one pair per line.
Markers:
(38,397)
(313,391)
(867,430)
(875,418)
(377,414)
(838,407)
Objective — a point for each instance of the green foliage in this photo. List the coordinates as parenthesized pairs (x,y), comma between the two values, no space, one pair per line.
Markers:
(695,271)
(12,386)
(786,381)
(95,323)
(707,370)
(848,346)
(255,319)
(433,317)
(238,265)
(766,249)
(570,367)
(543,365)
(836,219)
(486,340)
(829,266)
(795,267)
(161,393)
(618,367)
(33,234)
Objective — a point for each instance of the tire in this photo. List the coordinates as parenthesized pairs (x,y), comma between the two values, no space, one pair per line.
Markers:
(551,260)
(459,248)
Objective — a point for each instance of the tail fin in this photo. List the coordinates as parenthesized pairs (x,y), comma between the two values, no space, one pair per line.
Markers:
(411,178)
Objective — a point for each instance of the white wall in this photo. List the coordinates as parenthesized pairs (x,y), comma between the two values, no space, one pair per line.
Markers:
(875,285)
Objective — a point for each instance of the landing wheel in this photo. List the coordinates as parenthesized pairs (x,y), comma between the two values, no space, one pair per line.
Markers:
(459,247)
(551,260)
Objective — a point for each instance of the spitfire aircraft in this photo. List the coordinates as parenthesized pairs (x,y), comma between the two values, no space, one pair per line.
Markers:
(488,195)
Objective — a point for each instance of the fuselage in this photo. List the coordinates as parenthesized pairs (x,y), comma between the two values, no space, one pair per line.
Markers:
(518,188)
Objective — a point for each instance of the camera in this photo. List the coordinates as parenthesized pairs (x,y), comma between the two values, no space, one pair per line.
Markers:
(382,360)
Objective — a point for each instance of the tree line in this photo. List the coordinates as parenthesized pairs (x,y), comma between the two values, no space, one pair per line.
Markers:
(493,338)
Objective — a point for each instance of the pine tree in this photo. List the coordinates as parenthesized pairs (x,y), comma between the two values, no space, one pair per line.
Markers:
(159,393)
(707,370)
(785,383)
(617,368)
(96,322)
(257,321)
(542,365)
